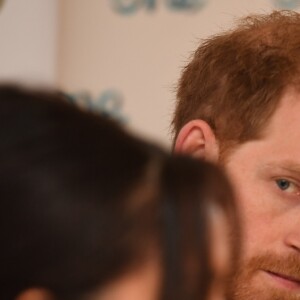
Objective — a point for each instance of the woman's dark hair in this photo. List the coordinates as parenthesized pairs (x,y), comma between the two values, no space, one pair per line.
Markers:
(82,202)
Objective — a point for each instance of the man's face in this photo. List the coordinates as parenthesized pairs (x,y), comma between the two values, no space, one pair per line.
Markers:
(266,177)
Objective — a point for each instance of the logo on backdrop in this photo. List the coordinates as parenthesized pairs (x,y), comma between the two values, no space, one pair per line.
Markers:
(128,7)
(110,103)
(186,4)
(287,4)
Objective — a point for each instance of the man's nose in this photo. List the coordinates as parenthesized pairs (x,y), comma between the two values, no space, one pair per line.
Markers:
(292,240)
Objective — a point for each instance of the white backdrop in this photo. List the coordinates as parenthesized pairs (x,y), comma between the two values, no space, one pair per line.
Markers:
(28,35)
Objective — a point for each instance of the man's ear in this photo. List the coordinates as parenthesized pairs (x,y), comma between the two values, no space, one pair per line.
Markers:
(35,294)
(198,139)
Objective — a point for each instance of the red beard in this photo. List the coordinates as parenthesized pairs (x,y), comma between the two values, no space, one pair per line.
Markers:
(249,283)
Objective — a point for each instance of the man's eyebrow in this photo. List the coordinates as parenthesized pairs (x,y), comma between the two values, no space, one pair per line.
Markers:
(285,165)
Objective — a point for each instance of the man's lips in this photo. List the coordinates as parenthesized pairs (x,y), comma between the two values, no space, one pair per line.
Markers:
(286,281)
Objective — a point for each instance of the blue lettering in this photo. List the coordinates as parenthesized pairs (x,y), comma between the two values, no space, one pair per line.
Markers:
(110,102)
(150,4)
(186,4)
(82,99)
(126,6)
(287,4)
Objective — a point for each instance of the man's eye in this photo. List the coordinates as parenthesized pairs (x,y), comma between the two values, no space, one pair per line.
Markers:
(288,186)
(283,184)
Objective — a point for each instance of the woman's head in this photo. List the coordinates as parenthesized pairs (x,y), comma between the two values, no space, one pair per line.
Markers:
(85,206)
(202,236)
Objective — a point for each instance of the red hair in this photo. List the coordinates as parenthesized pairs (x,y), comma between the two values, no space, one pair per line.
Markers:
(235,80)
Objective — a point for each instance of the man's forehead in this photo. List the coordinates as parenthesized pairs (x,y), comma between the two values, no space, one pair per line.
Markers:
(290,165)
(286,117)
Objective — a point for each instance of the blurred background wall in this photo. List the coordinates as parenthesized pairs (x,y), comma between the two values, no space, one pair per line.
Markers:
(28,41)
(122,56)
